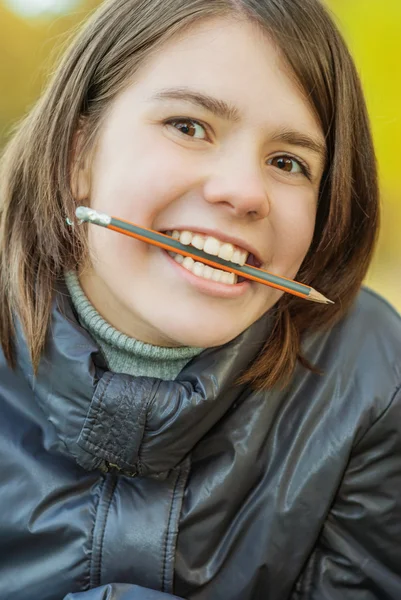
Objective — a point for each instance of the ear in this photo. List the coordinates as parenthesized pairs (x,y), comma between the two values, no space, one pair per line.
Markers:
(80,168)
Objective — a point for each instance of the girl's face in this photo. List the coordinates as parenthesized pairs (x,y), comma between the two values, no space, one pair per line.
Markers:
(214,138)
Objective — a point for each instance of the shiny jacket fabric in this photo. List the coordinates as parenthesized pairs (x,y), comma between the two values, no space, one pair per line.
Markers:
(131,488)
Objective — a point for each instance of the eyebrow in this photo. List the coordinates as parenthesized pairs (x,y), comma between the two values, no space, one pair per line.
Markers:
(296,138)
(218,107)
(227,111)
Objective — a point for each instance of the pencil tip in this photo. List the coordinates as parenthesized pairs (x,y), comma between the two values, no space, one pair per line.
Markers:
(318,297)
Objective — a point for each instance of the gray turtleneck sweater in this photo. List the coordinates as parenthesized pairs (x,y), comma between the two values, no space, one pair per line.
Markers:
(124,354)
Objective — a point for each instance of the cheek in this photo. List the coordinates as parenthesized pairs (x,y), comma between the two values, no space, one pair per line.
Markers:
(113,253)
(137,178)
(294,223)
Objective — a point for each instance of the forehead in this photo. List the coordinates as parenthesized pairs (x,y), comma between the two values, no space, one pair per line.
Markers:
(236,62)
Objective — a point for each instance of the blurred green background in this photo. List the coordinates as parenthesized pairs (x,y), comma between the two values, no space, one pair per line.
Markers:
(33,31)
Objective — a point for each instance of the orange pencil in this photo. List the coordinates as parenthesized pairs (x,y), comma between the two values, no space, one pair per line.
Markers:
(168,243)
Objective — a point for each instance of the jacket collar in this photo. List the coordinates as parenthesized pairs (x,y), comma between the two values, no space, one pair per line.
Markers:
(137,425)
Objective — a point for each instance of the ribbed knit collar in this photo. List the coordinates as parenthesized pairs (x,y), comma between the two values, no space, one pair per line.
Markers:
(125,354)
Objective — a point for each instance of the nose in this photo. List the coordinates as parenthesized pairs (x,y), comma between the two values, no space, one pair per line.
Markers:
(240,187)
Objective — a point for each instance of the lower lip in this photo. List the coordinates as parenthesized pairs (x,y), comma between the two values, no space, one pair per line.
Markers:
(207,286)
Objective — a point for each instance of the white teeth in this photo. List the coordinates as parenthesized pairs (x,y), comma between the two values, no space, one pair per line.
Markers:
(197,269)
(207,272)
(198,241)
(226,251)
(227,277)
(178,258)
(188,263)
(212,246)
(204,271)
(236,256)
(186,237)
(240,257)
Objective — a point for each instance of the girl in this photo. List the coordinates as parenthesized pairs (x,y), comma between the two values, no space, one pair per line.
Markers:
(165,431)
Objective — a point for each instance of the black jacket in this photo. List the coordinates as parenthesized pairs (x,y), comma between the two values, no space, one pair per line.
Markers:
(120,487)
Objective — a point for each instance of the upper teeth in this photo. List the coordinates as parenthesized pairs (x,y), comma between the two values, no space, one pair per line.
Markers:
(211,245)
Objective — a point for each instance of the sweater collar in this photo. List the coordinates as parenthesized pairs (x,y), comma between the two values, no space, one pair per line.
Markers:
(137,425)
(125,354)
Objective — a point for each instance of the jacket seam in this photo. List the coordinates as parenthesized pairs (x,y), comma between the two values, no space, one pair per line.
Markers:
(104,529)
(166,539)
(98,574)
(92,532)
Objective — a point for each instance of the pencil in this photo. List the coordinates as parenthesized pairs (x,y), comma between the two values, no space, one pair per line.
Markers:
(85,214)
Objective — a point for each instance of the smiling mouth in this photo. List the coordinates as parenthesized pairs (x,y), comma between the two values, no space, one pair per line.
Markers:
(214,248)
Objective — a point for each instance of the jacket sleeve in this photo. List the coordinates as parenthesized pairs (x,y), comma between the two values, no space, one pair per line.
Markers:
(120,591)
(358,554)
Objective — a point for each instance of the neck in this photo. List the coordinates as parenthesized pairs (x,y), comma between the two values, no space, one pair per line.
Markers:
(123,353)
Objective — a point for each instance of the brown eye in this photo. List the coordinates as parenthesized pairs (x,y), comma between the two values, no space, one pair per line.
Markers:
(186,127)
(189,128)
(285,164)
(291,165)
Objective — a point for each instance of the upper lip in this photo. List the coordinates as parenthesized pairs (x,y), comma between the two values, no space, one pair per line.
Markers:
(236,241)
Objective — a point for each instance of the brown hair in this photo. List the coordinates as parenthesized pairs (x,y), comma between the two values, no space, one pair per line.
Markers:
(36,245)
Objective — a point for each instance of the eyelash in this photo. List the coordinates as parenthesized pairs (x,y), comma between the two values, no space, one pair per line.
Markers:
(188,120)
(304,167)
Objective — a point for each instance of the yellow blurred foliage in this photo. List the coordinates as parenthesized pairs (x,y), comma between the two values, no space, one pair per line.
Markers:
(29,49)
(373,33)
